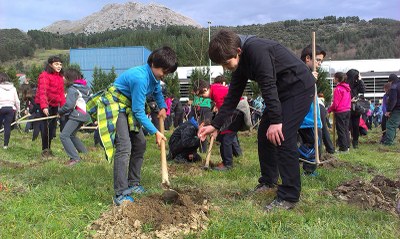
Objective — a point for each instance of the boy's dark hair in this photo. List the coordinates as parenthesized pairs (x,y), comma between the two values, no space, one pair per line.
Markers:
(393,77)
(223,46)
(164,58)
(340,76)
(199,86)
(71,75)
(220,79)
(50,61)
(307,51)
(4,77)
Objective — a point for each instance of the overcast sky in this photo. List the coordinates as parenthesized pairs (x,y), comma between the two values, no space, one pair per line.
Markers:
(36,14)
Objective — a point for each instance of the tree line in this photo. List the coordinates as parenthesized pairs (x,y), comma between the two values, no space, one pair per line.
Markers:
(343,38)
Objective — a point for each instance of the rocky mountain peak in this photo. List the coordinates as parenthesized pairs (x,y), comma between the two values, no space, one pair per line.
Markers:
(129,15)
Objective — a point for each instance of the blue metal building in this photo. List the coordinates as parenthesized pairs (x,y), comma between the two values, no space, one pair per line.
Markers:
(121,58)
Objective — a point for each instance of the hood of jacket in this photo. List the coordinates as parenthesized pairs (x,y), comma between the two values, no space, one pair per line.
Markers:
(7,86)
(344,86)
(83,88)
(244,38)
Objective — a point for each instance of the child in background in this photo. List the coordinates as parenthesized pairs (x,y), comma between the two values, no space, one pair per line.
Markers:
(240,120)
(9,106)
(341,105)
(75,107)
(183,143)
(49,97)
(386,88)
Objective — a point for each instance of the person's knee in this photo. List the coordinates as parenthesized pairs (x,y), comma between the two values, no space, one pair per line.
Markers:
(64,136)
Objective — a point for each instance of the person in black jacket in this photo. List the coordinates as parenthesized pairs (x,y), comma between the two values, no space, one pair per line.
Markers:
(287,87)
(184,142)
(176,111)
(356,87)
(392,110)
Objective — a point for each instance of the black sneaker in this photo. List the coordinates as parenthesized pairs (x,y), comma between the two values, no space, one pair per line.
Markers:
(279,204)
(47,153)
(262,187)
(180,159)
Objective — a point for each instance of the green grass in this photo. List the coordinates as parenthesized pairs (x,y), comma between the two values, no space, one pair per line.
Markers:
(39,58)
(45,199)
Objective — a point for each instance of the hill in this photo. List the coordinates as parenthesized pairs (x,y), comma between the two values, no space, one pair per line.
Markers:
(115,16)
(343,37)
(14,43)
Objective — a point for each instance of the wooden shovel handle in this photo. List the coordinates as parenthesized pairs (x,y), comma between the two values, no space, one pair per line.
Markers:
(164,169)
(209,152)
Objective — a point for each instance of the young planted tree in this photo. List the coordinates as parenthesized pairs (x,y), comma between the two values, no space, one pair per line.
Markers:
(324,86)
(198,74)
(172,85)
(101,79)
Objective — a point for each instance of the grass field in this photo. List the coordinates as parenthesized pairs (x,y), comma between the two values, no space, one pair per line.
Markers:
(45,199)
(39,58)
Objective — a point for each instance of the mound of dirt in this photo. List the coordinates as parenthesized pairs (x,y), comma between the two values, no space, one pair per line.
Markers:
(331,162)
(150,217)
(381,193)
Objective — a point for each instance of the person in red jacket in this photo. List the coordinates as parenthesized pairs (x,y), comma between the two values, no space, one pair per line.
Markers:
(49,96)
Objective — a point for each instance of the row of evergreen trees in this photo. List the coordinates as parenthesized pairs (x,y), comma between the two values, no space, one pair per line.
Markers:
(343,37)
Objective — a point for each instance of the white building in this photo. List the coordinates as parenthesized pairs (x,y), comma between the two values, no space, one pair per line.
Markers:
(375,74)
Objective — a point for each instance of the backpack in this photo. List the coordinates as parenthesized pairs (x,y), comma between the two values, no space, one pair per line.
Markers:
(360,106)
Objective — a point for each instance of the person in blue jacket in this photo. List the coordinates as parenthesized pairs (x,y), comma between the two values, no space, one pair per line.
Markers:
(120,113)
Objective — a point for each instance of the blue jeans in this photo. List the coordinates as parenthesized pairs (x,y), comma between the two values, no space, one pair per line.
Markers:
(71,143)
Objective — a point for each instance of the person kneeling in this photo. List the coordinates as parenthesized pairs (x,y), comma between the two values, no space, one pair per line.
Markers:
(184,142)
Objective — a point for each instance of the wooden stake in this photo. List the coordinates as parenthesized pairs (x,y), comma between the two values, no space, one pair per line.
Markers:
(315,103)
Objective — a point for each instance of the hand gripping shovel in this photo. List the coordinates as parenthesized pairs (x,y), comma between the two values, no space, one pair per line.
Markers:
(207,164)
(169,195)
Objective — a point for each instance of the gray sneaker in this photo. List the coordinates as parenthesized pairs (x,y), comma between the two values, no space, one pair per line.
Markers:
(262,187)
(279,204)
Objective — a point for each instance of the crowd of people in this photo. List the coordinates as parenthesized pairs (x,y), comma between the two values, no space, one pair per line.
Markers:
(283,113)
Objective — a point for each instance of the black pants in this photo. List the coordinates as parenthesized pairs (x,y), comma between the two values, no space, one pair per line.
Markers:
(354,126)
(49,128)
(326,138)
(342,129)
(178,119)
(6,118)
(283,160)
(228,147)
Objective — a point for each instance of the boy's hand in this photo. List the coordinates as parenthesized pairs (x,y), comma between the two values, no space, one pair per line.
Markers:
(162,114)
(206,130)
(274,134)
(159,138)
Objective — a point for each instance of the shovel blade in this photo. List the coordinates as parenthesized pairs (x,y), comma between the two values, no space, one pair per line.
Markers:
(170,196)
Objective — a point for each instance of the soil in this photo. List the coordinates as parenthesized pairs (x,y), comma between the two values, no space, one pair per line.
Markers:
(381,193)
(150,217)
(329,161)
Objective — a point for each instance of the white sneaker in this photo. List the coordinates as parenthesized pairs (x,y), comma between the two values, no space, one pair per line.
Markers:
(5,147)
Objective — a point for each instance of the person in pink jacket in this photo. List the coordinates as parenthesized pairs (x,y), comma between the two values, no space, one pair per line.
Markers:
(341,108)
